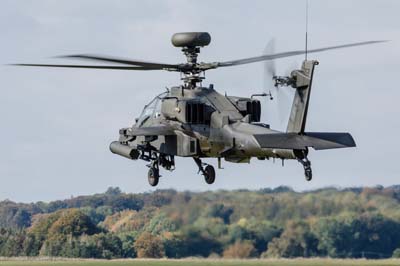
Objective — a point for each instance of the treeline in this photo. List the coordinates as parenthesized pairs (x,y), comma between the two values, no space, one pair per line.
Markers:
(339,223)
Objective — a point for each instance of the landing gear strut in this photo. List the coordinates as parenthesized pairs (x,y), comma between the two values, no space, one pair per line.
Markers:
(302,158)
(156,160)
(307,170)
(208,172)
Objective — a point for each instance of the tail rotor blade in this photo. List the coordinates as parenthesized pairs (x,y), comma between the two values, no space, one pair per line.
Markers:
(269,72)
(276,111)
(270,66)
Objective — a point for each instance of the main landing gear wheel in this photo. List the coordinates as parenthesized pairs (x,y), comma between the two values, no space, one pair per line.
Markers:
(209,174)
(153,176)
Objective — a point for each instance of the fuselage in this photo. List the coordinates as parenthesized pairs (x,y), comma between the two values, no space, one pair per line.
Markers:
(207,124)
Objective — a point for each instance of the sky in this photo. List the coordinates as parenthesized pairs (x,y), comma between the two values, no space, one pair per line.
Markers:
(56,124)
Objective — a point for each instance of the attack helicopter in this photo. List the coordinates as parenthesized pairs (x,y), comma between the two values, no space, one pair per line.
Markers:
(190,120)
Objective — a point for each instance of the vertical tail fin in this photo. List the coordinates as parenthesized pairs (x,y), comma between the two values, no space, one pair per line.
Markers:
(303,81)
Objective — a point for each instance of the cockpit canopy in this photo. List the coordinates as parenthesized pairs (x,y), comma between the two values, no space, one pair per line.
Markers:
(191,111)
(151,110)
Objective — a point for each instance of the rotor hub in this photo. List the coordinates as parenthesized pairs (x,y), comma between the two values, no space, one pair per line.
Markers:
(191,43)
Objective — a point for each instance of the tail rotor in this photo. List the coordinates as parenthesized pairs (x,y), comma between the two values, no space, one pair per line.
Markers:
(275,87)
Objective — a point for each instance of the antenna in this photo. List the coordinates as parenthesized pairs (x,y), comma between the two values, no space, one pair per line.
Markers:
(306,50)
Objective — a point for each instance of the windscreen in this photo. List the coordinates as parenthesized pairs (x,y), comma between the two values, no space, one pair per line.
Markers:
(151,110)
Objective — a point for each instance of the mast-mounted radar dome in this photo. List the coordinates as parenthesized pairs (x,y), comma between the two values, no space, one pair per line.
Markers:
(191,39)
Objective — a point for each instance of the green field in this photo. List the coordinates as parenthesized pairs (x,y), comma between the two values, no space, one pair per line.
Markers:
(205,262)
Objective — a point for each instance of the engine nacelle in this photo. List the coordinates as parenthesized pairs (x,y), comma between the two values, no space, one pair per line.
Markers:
(247,106)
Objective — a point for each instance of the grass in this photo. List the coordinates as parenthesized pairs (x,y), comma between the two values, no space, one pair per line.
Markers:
(198,262)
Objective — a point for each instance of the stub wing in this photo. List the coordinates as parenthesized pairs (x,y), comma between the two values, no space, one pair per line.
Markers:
(316,140)
(151,131)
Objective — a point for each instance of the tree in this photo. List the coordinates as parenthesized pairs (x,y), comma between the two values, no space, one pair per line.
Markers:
(73,222)
(21,219)
(13,215)
(199,242)
(31,245)
(60,232)
(355,222)
(41,224)
(213,227)
(261,233)
(160,223)
(103,245)
(219,210)
(174,245)
(54,246)
(128,240)
(240,250)
(113,191)
(11,242)
(149,246)
(295,241)
(371,236)
(98,214)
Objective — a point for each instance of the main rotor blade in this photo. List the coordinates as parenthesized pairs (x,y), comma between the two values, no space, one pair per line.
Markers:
(290,53)
(90,66)
(120,61)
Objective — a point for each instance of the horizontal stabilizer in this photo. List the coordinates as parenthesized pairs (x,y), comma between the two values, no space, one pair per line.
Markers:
(316,140)
(340,140)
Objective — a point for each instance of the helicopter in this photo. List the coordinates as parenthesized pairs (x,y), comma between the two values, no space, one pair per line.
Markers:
(190,120)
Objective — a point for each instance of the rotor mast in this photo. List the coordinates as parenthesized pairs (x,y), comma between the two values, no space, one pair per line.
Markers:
(191,43)
(192,75)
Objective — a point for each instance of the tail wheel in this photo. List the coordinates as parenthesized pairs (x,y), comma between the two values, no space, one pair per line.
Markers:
(209,174)
(153,176)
